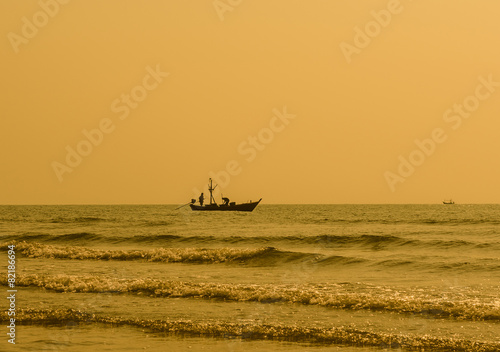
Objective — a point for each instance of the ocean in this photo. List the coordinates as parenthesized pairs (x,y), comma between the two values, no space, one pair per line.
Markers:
(282,278)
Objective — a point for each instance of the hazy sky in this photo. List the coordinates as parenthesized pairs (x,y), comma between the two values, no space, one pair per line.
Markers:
(302,101)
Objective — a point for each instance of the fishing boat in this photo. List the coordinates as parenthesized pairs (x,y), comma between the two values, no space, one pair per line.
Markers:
(448,201)
(225,206)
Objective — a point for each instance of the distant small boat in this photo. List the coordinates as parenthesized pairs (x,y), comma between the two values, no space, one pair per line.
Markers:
(226,206)
(448,201)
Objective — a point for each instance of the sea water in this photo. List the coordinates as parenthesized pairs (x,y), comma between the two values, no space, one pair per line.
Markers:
(282,278)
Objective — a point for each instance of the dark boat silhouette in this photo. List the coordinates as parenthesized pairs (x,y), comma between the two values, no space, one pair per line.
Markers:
(226,206)
(448,201)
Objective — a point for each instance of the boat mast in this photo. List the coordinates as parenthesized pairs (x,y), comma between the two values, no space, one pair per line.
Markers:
(212,199)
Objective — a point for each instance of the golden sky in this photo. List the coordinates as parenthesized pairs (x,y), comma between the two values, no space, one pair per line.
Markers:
(315,101)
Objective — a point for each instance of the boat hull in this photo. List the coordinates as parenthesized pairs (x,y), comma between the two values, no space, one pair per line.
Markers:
(231,207)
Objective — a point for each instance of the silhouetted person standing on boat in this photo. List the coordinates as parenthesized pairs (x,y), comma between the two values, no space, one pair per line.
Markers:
(225,200)
(201,199)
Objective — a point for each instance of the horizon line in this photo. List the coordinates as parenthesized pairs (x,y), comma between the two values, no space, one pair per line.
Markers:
(176,204)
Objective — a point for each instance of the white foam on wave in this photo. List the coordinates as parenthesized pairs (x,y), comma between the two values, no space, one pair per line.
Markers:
(332,295)
(254,331)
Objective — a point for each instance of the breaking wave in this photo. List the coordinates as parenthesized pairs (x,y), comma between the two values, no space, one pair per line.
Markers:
(165,255)
(338,296)
(264,256)
(376,242)
(254,331)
